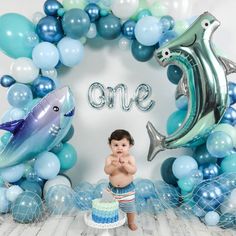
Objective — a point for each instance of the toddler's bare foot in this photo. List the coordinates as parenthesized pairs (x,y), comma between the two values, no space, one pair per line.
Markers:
(132,226)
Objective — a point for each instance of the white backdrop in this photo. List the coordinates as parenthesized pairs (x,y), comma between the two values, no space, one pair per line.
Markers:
(105,63)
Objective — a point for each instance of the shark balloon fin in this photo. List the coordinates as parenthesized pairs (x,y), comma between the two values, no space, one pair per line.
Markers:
(229,66)
(182,88)
(12,126)
(156,141)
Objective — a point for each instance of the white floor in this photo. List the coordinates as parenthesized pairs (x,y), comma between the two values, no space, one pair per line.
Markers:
(169,223)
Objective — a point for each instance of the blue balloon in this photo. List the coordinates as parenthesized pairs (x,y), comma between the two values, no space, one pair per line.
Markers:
(229,116)
(75,23)
(60,199)
(227,182)
(167,23)
(202,156)
(27,208)
(19,95)
(175,120)
(31,186)
(227,221)
(13,173)
(143,13)
(174,74)
(144,188)
(109,27)
(127,29)
(49,29)
(42,86)
(209,170)
(93,11)
(232,92)
(219,144)
(71,51)
(140,52)
(208,195)
(51,7)
(7,81)
(45,50)
(167,37)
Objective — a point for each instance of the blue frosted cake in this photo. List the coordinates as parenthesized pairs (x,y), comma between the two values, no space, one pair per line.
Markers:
(105,212)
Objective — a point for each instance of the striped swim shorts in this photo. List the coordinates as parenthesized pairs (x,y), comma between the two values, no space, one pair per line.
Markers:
(125,196)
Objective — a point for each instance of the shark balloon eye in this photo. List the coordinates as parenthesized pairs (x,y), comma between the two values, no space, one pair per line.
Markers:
(205,23)
(166,53)
(56,108)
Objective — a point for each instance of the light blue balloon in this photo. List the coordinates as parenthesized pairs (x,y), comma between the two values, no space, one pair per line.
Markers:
(4,203)
(71,51)
(182,103)
(15,31)
(84,186)
(183,166)
(84,200)
(13,114)
(212,218)
(47,165)
(148,30)
(97,193)
(19,95)
(13,173)
(144,188)
(45,56)
(219,144)
(167,37)
(13,192)
(31,104)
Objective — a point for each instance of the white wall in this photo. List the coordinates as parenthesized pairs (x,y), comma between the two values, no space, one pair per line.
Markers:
(104,62)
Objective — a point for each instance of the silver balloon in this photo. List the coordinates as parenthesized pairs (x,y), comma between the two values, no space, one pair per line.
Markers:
(96,102)
(204,82)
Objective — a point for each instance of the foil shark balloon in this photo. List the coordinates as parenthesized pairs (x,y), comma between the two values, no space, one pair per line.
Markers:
(43,128)
(204,83)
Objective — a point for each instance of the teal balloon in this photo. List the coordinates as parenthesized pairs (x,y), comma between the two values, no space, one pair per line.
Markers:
(67,156)
(186,184)
(228,164)
(175,120)
(15,29)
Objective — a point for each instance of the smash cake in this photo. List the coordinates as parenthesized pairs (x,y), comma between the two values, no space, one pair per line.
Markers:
(105,210)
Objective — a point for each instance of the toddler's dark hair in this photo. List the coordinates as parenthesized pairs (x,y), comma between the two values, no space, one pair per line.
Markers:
(120,134)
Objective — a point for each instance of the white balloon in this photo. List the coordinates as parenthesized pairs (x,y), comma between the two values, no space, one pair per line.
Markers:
(232,197)
(124,43)
(23,70)
(52,73)
(58,180)
(124,8)
(37,16)
(13,192)
(92,31)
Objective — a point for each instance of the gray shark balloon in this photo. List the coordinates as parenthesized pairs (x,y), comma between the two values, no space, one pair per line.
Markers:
(204,83)
(44,127)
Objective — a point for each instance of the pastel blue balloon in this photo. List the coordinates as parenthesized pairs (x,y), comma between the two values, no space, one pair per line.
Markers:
(7,81)
(182,103)
(140,52)
(128,29)
(183,165)
(51,7)
(60,199)
(42,86)
(212,218)
(27,208)
(19,95)
(174,74)
(14,30)
(175,120)
(93,11)
(109,27)
(144,188)
(31,186)
(202,156)
(47,165)
(13,173)
(148,30)
(232,92)
(41,52)
(71,51)
(49,29)
(219,144)
(167,37)
(84,199)
(67,156)
(228,164)
(75,23)
(4,203)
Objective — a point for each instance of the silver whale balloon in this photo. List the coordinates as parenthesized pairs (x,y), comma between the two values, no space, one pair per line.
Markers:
(204,83)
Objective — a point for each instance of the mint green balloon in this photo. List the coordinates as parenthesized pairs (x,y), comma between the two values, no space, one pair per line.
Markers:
(228,164)
(16,31)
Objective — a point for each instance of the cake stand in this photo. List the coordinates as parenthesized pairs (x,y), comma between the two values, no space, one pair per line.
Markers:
(88,220)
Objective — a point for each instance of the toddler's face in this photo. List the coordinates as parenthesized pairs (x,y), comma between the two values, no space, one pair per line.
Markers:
(120,147)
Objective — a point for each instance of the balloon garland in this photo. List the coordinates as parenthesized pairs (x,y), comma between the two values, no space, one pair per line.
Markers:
(39,47)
